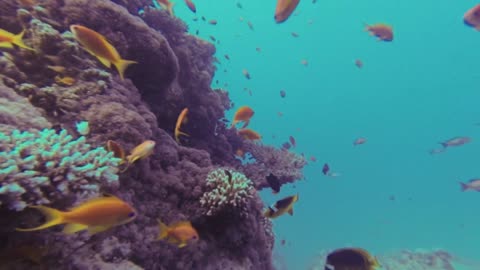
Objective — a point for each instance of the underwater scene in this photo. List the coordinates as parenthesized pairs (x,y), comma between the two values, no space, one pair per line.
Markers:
(239,135)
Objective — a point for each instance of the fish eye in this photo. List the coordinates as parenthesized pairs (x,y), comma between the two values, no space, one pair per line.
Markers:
(131,214)
(195,237)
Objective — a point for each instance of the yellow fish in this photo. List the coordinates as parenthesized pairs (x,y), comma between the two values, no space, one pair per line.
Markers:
(58,69)
(281,207)
(96,215)
(7,40)
(141,151)
(64,80)
(351,259)
(182,118)
(178,233)
(98,46)
(168,5)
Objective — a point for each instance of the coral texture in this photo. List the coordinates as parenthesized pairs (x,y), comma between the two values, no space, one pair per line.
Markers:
(39,167)
(231,189)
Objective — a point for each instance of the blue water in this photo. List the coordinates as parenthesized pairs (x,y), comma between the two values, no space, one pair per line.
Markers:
(420,89)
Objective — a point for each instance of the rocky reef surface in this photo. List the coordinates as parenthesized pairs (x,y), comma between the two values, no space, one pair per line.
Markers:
(420,259)
(174,72)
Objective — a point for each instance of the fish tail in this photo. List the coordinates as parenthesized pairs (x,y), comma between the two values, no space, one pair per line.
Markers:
(18,40)
(53,217)
(464,186)
(170,9)
(163,230)
(122,65)
(127,166)
(443,144)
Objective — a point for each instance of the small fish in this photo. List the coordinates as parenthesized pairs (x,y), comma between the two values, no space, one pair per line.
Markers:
(455,141)
(286,146)
(304,62)
(243,114)
(295,34)
(141,151)
(212,22)
(117,149)
(239,5)
(98,46)
(359,141)
(280,114)
(246,74)
(313,159)
(191,6)
(292,141)
(283,93)
(195,19)
(212,38)
(472,17)
(283,242)
(179,233)
(58,69)
(258,49)
(473,184)
(64,80)
(281,207)
(229,175)
(383,32)
(182,119)
(227,57)
(7,40)
(325,169)
(273,182)
(95,215)
(250,25)
(203,18)
(284,9)
(358,63)
(167,5)
(351,259)
(249,134)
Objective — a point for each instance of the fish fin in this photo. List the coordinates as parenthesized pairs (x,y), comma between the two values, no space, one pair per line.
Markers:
(96,229)
(183,133)
(73,228)
(182,244)
(17,40)
(163,230)
(245,124)
(6,45)
(464,187)
(290,211)
(122,65)
(104,61)
(53,217)
(443,144)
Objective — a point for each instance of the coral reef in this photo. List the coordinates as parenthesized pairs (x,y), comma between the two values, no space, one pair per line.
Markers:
(174,72)
(420,259)
(40,167)
(228,189)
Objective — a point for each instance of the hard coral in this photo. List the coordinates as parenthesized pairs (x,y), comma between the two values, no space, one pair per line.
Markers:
(232,190)
(287,166)
(37,167)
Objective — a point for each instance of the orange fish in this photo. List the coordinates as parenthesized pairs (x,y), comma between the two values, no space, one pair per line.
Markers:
(182,119)
(284,9)
(96,215)
(98,46)
(64,80)
(7,40)
(382,31)
(243,114)
(117,149)
(359,63)
(246,74)
(179,233)
(249,134)
(191,6)
(141,151)
(472,17)
(166,4)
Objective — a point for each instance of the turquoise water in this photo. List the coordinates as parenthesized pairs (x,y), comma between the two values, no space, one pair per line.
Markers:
(420,89)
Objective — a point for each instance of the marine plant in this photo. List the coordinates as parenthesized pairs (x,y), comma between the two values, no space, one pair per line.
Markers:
(228,189)
(38,167)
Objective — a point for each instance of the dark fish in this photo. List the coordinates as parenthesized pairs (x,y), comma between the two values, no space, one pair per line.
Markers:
(229,175)
(325,169)
(455,141)
(281,207)
(239,5)
(292,141)
(197,32)
(273,182)
(283,93)
(203,18)
(286,145)
(351,259)
(473,184)
(250,25)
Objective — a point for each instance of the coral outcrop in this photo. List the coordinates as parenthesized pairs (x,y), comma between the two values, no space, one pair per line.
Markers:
(174,72)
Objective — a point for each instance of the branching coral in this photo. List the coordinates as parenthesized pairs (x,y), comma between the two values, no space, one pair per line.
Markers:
(37,167)
(228,189)
(287,166)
